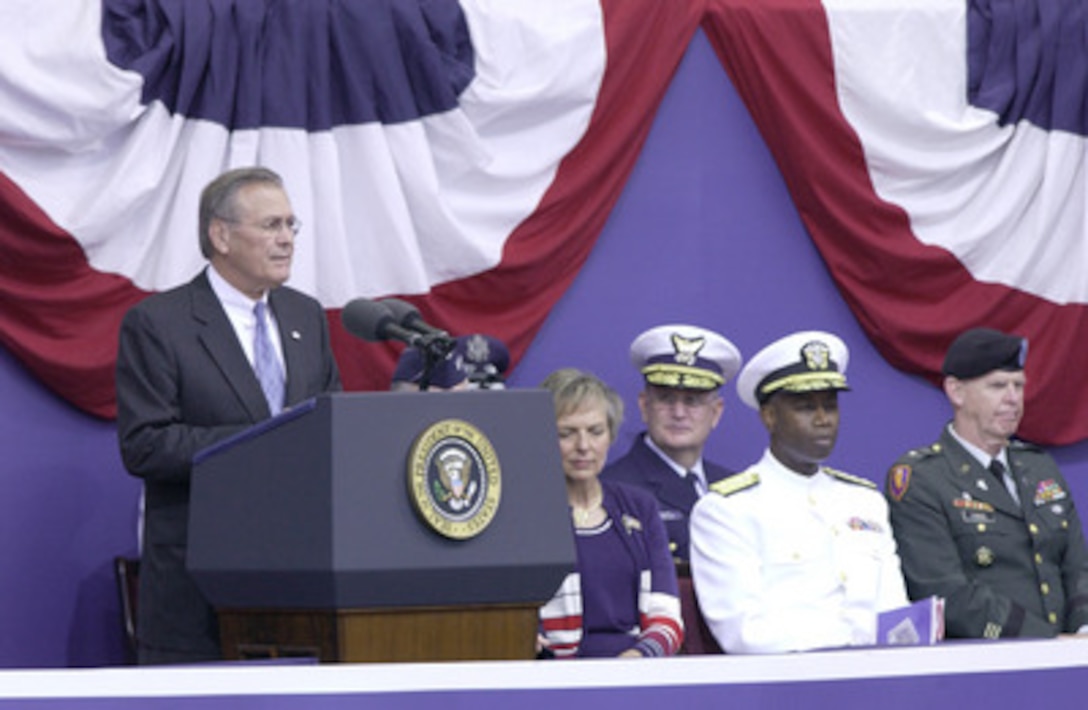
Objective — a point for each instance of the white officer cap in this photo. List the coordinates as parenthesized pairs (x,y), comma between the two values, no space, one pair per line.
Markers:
(808,361)
(685,356)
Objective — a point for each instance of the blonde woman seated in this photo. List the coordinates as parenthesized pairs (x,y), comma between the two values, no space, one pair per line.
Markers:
(621,600)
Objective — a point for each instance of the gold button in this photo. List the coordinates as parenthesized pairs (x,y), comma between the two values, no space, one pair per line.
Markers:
(1045,588)
(1065,524)
(1053,617)
(982,527)
(1038,559)
(1034,529)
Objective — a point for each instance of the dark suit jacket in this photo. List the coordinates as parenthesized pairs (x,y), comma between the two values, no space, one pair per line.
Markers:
(184,383)
(641,467)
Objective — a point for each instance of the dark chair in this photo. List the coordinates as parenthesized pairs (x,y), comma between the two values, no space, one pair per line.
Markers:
(698,640)
(127,572)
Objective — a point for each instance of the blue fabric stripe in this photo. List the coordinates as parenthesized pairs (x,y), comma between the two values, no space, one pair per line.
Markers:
(310,64)
(1028,60)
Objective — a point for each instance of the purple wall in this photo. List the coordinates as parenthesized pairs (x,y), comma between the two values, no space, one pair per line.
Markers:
(67,509)
(704,233)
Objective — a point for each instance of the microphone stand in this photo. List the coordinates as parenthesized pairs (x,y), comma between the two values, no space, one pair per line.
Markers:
(434,348)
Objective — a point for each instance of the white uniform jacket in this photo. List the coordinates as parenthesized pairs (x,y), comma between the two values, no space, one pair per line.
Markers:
(786,562)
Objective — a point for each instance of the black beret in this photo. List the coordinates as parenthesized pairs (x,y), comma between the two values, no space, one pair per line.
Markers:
(980,350)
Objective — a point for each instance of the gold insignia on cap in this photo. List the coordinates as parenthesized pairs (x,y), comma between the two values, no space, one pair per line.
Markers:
(817,355)
(687,367)
(818,373)
(984,556)
(687,349)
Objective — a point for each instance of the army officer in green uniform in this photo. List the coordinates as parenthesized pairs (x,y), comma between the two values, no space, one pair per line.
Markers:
(984,520)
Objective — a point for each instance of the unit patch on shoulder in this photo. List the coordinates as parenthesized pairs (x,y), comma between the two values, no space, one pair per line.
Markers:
(847,478)
(898,481)
(735,483)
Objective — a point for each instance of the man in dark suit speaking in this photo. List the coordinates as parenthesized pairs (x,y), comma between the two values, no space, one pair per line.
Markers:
(199,363)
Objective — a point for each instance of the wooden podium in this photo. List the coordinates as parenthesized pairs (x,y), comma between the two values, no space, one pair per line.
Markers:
(326,532)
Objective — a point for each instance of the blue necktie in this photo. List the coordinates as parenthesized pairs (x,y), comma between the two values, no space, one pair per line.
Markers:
(696,485)
(265,362)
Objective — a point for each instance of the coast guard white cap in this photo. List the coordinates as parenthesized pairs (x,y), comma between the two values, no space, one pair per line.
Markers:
(809,361)
(684,356)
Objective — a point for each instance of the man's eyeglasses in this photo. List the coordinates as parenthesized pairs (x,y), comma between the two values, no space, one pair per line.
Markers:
(668,397)
(272,225)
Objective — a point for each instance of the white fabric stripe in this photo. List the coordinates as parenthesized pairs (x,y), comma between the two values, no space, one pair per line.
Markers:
(651,603)
(567,601)
(1008,202)
(385,209)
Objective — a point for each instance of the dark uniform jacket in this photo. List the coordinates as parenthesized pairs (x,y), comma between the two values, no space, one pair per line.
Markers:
(643,468)
(1004,569)
(184,383)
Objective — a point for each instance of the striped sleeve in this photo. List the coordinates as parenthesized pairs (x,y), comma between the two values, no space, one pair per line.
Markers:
(561,618)
(659,616)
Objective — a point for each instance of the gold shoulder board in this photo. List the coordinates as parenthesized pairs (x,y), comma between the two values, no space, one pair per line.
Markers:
(846,477)
(737,482)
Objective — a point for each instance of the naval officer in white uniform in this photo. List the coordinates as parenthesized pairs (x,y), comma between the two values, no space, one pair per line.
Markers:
(791,555)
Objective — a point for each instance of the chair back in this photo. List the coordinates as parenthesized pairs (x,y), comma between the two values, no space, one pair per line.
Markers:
(127,573)
(698,640)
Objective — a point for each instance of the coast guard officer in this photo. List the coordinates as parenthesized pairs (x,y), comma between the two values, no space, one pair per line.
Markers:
(684,367)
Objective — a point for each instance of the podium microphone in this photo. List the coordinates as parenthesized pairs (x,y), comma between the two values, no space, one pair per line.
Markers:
(374,321)
(409,316)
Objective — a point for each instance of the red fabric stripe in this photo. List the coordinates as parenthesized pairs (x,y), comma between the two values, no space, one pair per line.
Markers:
(646,39)
(58,316)
(911,299)
(61,317)
(663,630)
(562,623)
